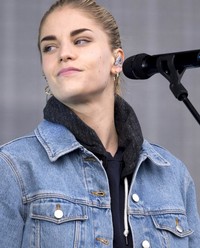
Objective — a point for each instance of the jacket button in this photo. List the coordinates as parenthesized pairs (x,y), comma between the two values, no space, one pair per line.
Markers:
(135,198)
(179,229)
(145,244)
(58,214)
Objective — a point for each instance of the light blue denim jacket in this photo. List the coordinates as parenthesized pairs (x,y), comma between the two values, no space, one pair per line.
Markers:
(55,194)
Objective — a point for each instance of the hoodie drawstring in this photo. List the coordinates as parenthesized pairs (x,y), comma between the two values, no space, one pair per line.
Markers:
(126,229)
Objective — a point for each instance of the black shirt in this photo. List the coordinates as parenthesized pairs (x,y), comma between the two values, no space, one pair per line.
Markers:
(114,167)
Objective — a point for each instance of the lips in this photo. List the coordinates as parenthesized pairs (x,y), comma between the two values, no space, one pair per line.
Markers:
(68,71)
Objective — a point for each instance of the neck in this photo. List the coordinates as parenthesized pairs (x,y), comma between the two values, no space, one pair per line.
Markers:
(100,118)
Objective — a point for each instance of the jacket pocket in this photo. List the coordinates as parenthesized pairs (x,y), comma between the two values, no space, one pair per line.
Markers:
(174,227)
(57,223)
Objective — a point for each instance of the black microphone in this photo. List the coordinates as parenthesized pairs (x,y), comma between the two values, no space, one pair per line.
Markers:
(143,66)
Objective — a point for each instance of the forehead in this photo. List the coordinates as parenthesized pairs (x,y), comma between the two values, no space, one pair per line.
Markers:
(68,19)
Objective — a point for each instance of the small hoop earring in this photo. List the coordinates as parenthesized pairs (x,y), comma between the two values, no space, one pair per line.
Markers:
(117,84)
(47,92)
(116,77)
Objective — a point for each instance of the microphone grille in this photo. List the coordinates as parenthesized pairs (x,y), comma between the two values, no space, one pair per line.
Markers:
(132,67)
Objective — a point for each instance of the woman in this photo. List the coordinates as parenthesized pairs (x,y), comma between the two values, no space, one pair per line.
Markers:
(85,177)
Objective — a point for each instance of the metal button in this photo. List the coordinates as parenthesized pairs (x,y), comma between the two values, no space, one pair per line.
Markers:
(178,226)
(179,229)
(58,214)
(145,244)
(135,198)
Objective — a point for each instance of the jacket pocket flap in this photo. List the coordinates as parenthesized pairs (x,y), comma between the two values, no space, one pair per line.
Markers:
(174,223)
(58,212)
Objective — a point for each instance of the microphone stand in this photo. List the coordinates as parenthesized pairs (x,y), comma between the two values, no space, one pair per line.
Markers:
(165,65)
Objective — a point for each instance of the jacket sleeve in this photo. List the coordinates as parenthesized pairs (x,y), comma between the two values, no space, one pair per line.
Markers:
(11,207)
(192,211)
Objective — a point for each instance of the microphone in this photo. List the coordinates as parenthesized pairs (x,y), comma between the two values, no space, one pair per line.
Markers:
(143,66)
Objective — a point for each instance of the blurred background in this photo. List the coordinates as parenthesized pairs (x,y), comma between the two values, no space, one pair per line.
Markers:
(146,26)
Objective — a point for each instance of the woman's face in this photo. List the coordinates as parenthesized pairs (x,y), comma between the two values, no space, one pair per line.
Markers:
(76,57)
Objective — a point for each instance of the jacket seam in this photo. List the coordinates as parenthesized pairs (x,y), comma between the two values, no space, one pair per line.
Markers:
(156,212)
(19,180)
(27,200)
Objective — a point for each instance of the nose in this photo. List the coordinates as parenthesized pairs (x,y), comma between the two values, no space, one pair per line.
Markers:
(67,52)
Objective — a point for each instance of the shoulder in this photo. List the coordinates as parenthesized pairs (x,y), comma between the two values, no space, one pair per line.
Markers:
(161,170)
(158,153)
(47,140)
(43,133)
(17,143)
(19,147)
(163,158)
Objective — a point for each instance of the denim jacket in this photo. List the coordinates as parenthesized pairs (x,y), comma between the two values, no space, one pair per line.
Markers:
(55,194)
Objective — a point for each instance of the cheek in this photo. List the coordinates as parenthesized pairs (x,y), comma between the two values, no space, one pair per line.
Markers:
(47,67)
(44,66)
(104,65)
(94,65)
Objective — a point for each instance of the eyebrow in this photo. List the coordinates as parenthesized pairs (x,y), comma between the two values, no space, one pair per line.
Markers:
(72,34)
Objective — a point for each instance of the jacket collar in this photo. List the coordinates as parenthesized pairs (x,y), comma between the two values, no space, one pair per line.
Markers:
(58,141)
(149,151)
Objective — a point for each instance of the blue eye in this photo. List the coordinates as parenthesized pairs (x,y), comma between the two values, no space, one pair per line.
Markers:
(81,41)
(48,48)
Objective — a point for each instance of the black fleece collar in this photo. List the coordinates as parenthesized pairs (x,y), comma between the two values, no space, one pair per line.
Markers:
(127,126)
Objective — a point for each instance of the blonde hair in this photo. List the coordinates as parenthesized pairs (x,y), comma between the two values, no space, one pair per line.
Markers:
(98,13)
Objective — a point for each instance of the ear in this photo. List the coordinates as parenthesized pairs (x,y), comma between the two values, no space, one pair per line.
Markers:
(118,57)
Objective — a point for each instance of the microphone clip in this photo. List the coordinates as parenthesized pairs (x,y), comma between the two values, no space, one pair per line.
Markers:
(166,67)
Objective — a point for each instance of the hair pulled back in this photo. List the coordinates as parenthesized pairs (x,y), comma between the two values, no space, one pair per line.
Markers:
(93,10)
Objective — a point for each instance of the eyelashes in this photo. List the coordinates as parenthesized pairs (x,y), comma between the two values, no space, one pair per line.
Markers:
(82,41)
(49,48)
